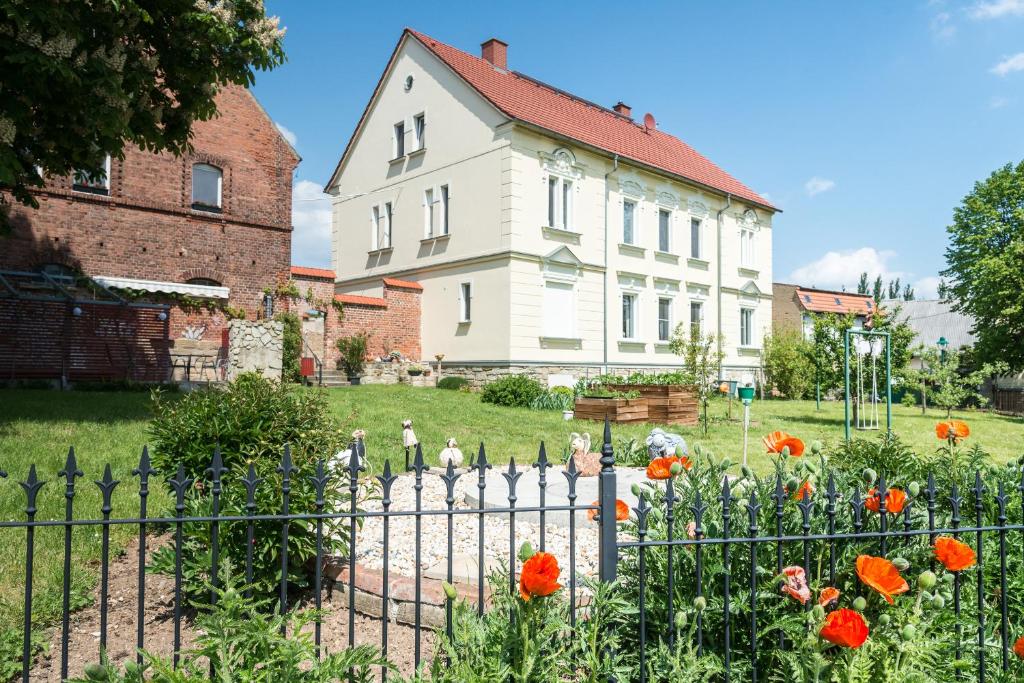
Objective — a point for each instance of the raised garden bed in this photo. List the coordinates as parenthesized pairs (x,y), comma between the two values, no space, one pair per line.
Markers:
(619,410)
(674,404)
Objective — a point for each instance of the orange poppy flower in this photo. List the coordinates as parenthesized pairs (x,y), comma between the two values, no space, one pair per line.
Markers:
(685,462)
(828,595)
(844,627)
(796,584)
(1018,647)
(882,575)
(776,441)
(660,468)
(621,511)
(806,486)
(895,501)
(539,577)
(952,430)
(954,555)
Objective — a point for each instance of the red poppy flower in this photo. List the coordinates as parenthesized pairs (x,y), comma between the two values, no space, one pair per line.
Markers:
(828,595)
(954,555)
(621,511)
(777,441)
(806,486)
(685,462)
(844,627)
(882,575)
(895,501)
(539,577)
(952,430)
(1018,647)
(660,468)
(796,584)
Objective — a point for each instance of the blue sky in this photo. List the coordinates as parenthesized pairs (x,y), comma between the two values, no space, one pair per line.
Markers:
(865,122)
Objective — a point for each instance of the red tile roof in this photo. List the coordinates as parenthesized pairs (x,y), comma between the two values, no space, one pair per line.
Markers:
(520,97)
(403,284)
(360,300)
(823,301)
(303,271)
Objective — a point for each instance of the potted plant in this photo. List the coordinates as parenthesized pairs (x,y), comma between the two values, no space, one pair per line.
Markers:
(353,355)
(416,370)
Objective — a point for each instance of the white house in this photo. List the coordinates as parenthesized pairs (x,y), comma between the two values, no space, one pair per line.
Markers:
(550,234)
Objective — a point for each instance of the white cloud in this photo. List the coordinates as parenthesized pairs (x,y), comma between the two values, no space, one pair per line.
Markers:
(292,139)
(941,26)
(995,9)
(818,185)
(311,218)
(997,102)
(1009,65)
(838,268)
(926,287)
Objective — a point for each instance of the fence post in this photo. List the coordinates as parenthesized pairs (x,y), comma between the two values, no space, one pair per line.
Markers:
(609,552)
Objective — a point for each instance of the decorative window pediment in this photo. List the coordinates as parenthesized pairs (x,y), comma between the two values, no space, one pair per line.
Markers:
(633,282)
(631,188)
(698,209)
(666,285)
(667,199)
(562,264)
(748,220)
(562,162)
(750,290)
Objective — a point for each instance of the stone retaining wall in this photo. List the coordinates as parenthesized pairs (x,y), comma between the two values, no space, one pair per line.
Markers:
(255,346)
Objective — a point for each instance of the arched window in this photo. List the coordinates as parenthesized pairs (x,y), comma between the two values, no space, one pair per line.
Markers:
(207,183)
(57,270)
(204,281)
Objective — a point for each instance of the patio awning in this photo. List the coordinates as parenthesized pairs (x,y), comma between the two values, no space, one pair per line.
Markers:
(200,291)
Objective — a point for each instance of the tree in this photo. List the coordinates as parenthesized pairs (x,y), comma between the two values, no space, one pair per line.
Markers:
(788,364)
(949,379)
(862,283)
(700,360)
(877,290)
(894,289)
(985,264)
(908,293)
(79,79)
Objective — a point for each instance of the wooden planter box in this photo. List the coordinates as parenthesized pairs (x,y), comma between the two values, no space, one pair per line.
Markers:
(615,409)
(674,404)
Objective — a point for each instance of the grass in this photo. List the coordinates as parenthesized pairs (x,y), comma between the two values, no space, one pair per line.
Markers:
(38,426)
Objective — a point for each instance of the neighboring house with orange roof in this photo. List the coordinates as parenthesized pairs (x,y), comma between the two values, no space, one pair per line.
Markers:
(794,307)
(549,234)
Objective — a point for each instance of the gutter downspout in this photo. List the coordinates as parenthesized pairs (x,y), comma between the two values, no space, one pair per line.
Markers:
(718,258)
(604,308)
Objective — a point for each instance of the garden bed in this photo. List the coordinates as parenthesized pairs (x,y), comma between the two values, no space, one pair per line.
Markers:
(674,404)
(617,410)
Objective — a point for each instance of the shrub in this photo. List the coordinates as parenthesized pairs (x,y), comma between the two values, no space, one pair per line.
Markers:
(512,390)
(353,353)
(453,383)
(291,346)
(556,398)
(251,420)
(787,364)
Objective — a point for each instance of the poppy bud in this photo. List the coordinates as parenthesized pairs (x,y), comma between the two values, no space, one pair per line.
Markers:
(726,463)
(818,612)
(96,672)
(948,578)
(680,451)
(675,469)
(525,551)
(884,619)
(785,451)
(449,590)
(926,580)
(909,632)
(816,447)
(700,603)
(901,563)
(914,489)
(746,472)
(810,466)
(938,602)
(681,620)
(869,476)
(860,604)
(793,484)
(635,489)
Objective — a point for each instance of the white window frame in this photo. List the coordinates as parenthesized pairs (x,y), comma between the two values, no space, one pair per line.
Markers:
(700,317)
(662,210)
(375,213)
(667,319)
(571,312)
(629,331)
(92,186)
(419,131)
(560,202)
(444,213)
(428,213)
(398,140)
(466,302)
(389,214)
(633,226)
(747,312)
(747,254)
(200,206)
(697,227)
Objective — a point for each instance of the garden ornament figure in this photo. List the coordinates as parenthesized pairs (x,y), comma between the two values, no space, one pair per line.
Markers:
(451,454)
(341,459)
(409,439)
(588,464)
(661,443)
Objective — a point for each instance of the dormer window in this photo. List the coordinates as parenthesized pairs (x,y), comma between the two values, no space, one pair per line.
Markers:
(93,181)
(207,187)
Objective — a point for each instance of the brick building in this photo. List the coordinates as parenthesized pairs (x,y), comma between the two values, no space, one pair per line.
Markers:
(794,307)
(205,233)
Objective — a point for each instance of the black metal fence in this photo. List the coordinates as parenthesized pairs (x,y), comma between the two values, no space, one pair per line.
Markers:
(729,531)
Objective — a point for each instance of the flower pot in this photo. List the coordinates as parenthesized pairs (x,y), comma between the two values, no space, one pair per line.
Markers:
(567,415)
(354,381)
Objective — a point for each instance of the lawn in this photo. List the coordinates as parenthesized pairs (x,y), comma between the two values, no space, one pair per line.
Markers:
(39,426)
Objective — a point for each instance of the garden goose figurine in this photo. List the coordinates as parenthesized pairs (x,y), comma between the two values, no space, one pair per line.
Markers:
(409,439)
(341,459)
(451,454)
(588,464)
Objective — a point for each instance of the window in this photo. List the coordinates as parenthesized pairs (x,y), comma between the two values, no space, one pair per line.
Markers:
(559,203)
(628,316)
(696,318)
(559,310)
(57,271)
(386,241)
(380,219)
(628,222)
(695,241)
(428,212)
(747,248)
(465,302)
(207,184)
(419,127)
(204,281)
(664,230)
(444,209)
(399,142)
(746,327)
(664,319)
(82,182)
(375,228)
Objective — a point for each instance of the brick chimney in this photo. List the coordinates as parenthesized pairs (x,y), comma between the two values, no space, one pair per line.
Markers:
(623,108)
(496,52)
